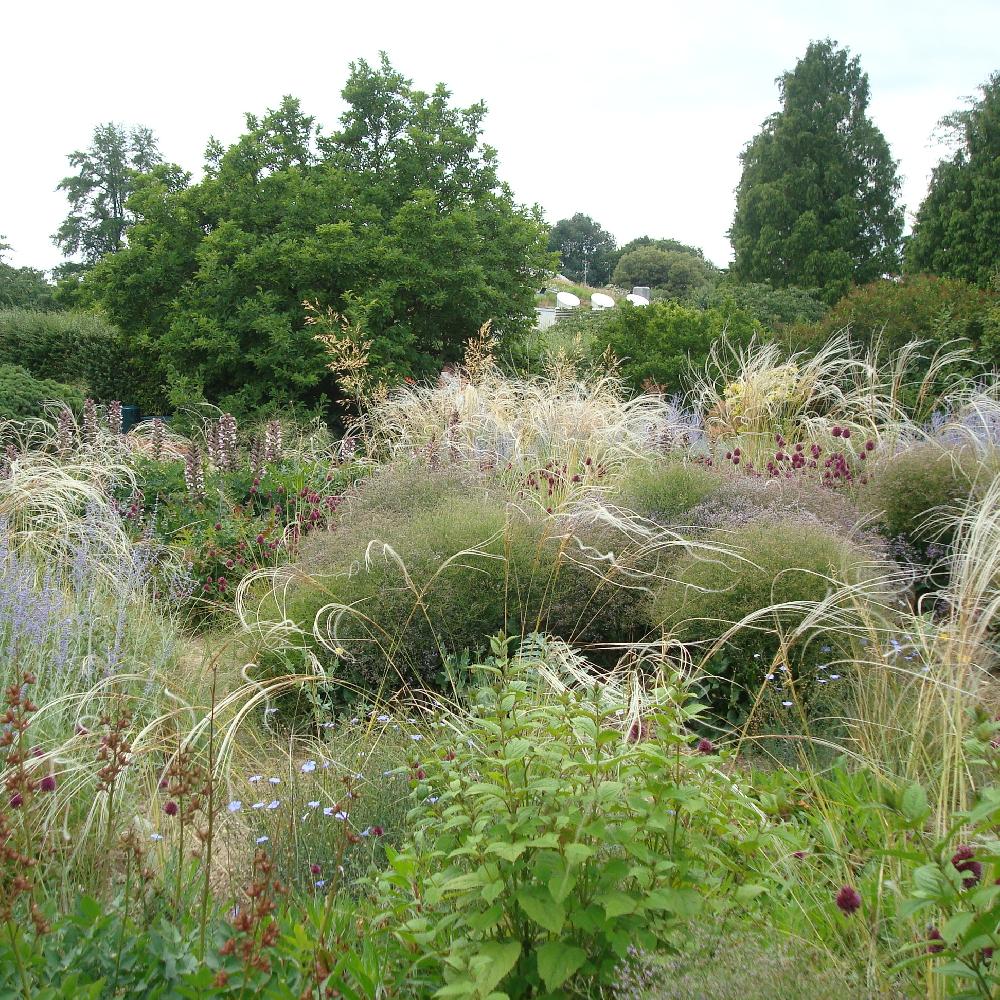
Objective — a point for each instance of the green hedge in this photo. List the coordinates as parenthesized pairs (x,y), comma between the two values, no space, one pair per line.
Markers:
(22,395)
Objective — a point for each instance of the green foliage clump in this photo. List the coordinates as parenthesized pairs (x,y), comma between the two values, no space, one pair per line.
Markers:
(675,273)
(908,490)
(778,563)
(957,229)
(773,308)
(398,594)
(942,311)
(657,344)
(666,490)
(24,287)
(816,204)
(555,838)
(76,348)
(22,395)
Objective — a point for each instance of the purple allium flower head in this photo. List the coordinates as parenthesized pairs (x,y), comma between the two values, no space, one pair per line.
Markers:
(848,899)
(705,746)
(16,800)
(170,808)
(972,870)
(935,942)
(315,869)
(48,783)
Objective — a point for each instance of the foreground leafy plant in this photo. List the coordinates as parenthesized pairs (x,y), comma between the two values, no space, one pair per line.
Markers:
(555,834)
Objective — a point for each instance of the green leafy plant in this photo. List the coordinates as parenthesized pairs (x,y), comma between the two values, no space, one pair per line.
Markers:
(557,832)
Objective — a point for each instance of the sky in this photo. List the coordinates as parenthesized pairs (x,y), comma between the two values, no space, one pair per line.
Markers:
(633,113)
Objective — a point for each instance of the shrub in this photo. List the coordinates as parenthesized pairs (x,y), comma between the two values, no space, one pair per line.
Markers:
(784,563)
(77,348)
(907,490)
(773,308)
(923,307)
(22,395)
(658,343)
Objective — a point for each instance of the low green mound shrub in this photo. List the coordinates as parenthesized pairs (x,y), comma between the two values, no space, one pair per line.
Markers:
(666,490)
(906,492)
(22,395)
(779,563)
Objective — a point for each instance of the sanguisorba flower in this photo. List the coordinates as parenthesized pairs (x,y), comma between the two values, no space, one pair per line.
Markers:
(849,899)
(964,861)
(935,942)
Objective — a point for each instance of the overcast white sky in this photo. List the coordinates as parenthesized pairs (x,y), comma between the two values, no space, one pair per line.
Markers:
(634,113)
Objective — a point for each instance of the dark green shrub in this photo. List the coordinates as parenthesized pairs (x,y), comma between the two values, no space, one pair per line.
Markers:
(782,562)
(22,395)
(665,491)
(773,308)
(922,307)
(912,486)
(76,348)
(658,343)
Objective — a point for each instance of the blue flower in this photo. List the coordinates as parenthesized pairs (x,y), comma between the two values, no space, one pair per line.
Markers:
(235,806)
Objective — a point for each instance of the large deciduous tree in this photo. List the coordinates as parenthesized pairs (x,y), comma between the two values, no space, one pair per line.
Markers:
(957,229)
(816,205)
(586,251)
(397,221)
(99,190)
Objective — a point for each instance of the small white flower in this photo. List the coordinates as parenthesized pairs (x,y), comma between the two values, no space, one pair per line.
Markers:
(156,836)
(314,804)
(270,711)
(273,804)
(383,718)
(263,840)
(787,704)
(254,778)
(319,883)
(328,810)
(235,806)
(308,767)
(415,737)
(274,781)
(340,815)
(257,805)
(834,677)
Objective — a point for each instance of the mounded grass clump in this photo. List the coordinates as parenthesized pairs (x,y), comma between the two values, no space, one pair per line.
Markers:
(666,490)
(777,576)
(388,600)
(915,485)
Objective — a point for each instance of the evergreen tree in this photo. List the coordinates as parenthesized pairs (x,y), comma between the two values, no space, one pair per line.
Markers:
(816,205)
(586,251)
(957,229)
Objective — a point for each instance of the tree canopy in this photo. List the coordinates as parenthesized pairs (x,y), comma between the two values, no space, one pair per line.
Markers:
(675,272)
(586,251)
(23,287)
(957,229)
(99,190)
(397,222)
(816,203)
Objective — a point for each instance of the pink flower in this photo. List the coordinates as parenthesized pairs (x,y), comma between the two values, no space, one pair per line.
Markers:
(849,899)
(170,808)
(705,746)
(971,869)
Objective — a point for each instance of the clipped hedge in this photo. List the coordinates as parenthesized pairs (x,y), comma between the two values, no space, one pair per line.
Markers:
(75,348)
